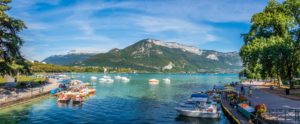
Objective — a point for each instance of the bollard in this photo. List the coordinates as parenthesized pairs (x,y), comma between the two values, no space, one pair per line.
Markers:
(287,91)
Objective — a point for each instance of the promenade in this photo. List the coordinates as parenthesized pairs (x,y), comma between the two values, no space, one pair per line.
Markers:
(272,101)
(279,109)
(8,97)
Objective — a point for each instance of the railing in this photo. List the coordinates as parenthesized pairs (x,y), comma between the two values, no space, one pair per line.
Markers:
(279,116)
(16,94)
(284,115)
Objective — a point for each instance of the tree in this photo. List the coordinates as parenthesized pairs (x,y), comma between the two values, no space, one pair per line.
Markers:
(11,60)
(272,44)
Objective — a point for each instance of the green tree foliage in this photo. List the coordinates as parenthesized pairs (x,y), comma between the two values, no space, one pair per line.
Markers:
(49,68)
(271,48)
(11,60)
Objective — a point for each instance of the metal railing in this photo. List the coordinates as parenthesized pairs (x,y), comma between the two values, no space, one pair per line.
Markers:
(284,115)
(16,94)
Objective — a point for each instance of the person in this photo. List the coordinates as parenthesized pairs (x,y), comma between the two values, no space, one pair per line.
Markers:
(242,90)
(16,79)
(250,91)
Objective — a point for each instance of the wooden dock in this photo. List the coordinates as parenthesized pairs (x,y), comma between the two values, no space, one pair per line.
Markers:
(233,115)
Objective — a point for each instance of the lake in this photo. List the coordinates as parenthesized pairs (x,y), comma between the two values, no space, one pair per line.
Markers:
(134,102)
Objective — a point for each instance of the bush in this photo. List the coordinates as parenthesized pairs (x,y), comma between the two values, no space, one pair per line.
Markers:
(260,108)
(23,80)
(242,99)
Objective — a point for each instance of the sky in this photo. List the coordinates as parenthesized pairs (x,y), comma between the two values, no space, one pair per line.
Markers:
(58,26)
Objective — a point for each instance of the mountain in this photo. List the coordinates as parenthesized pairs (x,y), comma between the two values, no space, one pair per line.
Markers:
(158,56)
(68,59)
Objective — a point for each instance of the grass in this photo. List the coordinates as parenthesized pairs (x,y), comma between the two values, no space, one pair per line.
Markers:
(2,80)
(25,79)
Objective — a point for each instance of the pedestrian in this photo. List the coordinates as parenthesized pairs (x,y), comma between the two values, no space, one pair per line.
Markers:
(250,91)
(16,79)
(243,90)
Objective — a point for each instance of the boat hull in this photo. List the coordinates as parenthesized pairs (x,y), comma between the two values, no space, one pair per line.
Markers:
(195,113)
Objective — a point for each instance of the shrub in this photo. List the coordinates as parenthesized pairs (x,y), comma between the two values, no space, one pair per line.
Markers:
(242,99)
(260,108)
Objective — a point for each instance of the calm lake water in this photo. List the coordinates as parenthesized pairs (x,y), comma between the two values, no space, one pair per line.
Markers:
(134,102)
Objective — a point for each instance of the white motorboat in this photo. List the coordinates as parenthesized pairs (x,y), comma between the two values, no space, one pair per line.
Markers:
(199,106)
(106,79)
(122,79)
(125,79)
(167,80)
(93,78)
(118,77)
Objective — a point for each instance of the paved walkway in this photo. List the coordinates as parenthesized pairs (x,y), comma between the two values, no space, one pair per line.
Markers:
(271,100)
(12,95)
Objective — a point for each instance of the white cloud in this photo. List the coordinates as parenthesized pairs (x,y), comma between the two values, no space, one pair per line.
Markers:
(85,25)
(187,31)
(38,26)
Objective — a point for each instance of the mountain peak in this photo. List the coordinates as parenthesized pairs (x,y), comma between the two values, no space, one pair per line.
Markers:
(175,45)
(82,52)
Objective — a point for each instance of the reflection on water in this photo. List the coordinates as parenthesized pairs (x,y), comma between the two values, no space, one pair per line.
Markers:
(134,102)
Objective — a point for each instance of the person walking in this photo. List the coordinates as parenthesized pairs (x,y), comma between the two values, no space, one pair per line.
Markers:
(250,91)
(243,90)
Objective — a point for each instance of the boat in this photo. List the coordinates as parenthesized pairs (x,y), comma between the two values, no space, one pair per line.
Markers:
(106,79)
(118,77)
(154,81)
(199,105)
(167,80)
(125,79)
(75,82)
(91,91)
(89,84)
(77,99)
(93,78)
(63,98)
(122,79)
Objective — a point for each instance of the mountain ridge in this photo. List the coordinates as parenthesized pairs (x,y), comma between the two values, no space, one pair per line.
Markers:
(158,56)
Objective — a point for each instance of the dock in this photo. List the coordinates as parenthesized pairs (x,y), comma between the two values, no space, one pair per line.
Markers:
(232,114)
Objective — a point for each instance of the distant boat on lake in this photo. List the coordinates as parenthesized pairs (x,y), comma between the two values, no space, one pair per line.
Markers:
(154,81)
(106,79)
(167,80)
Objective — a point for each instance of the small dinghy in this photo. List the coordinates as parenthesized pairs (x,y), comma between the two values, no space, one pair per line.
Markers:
(199,105)
(154,81)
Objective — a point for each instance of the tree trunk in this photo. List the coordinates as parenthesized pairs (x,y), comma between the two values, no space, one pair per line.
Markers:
(279,82)
(292,86)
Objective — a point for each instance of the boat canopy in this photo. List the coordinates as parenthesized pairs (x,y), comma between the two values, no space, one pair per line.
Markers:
(199,97)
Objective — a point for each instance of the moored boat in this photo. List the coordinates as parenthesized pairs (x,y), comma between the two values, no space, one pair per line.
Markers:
(93,78)
(154,81)
(199,105)
(63,98)
(167,80)
(106,79)
(77,99)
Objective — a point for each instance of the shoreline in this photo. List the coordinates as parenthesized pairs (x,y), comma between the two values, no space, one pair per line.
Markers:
(25,97)
(23,100)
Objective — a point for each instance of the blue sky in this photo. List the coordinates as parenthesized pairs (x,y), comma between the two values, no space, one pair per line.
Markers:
(58,26)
